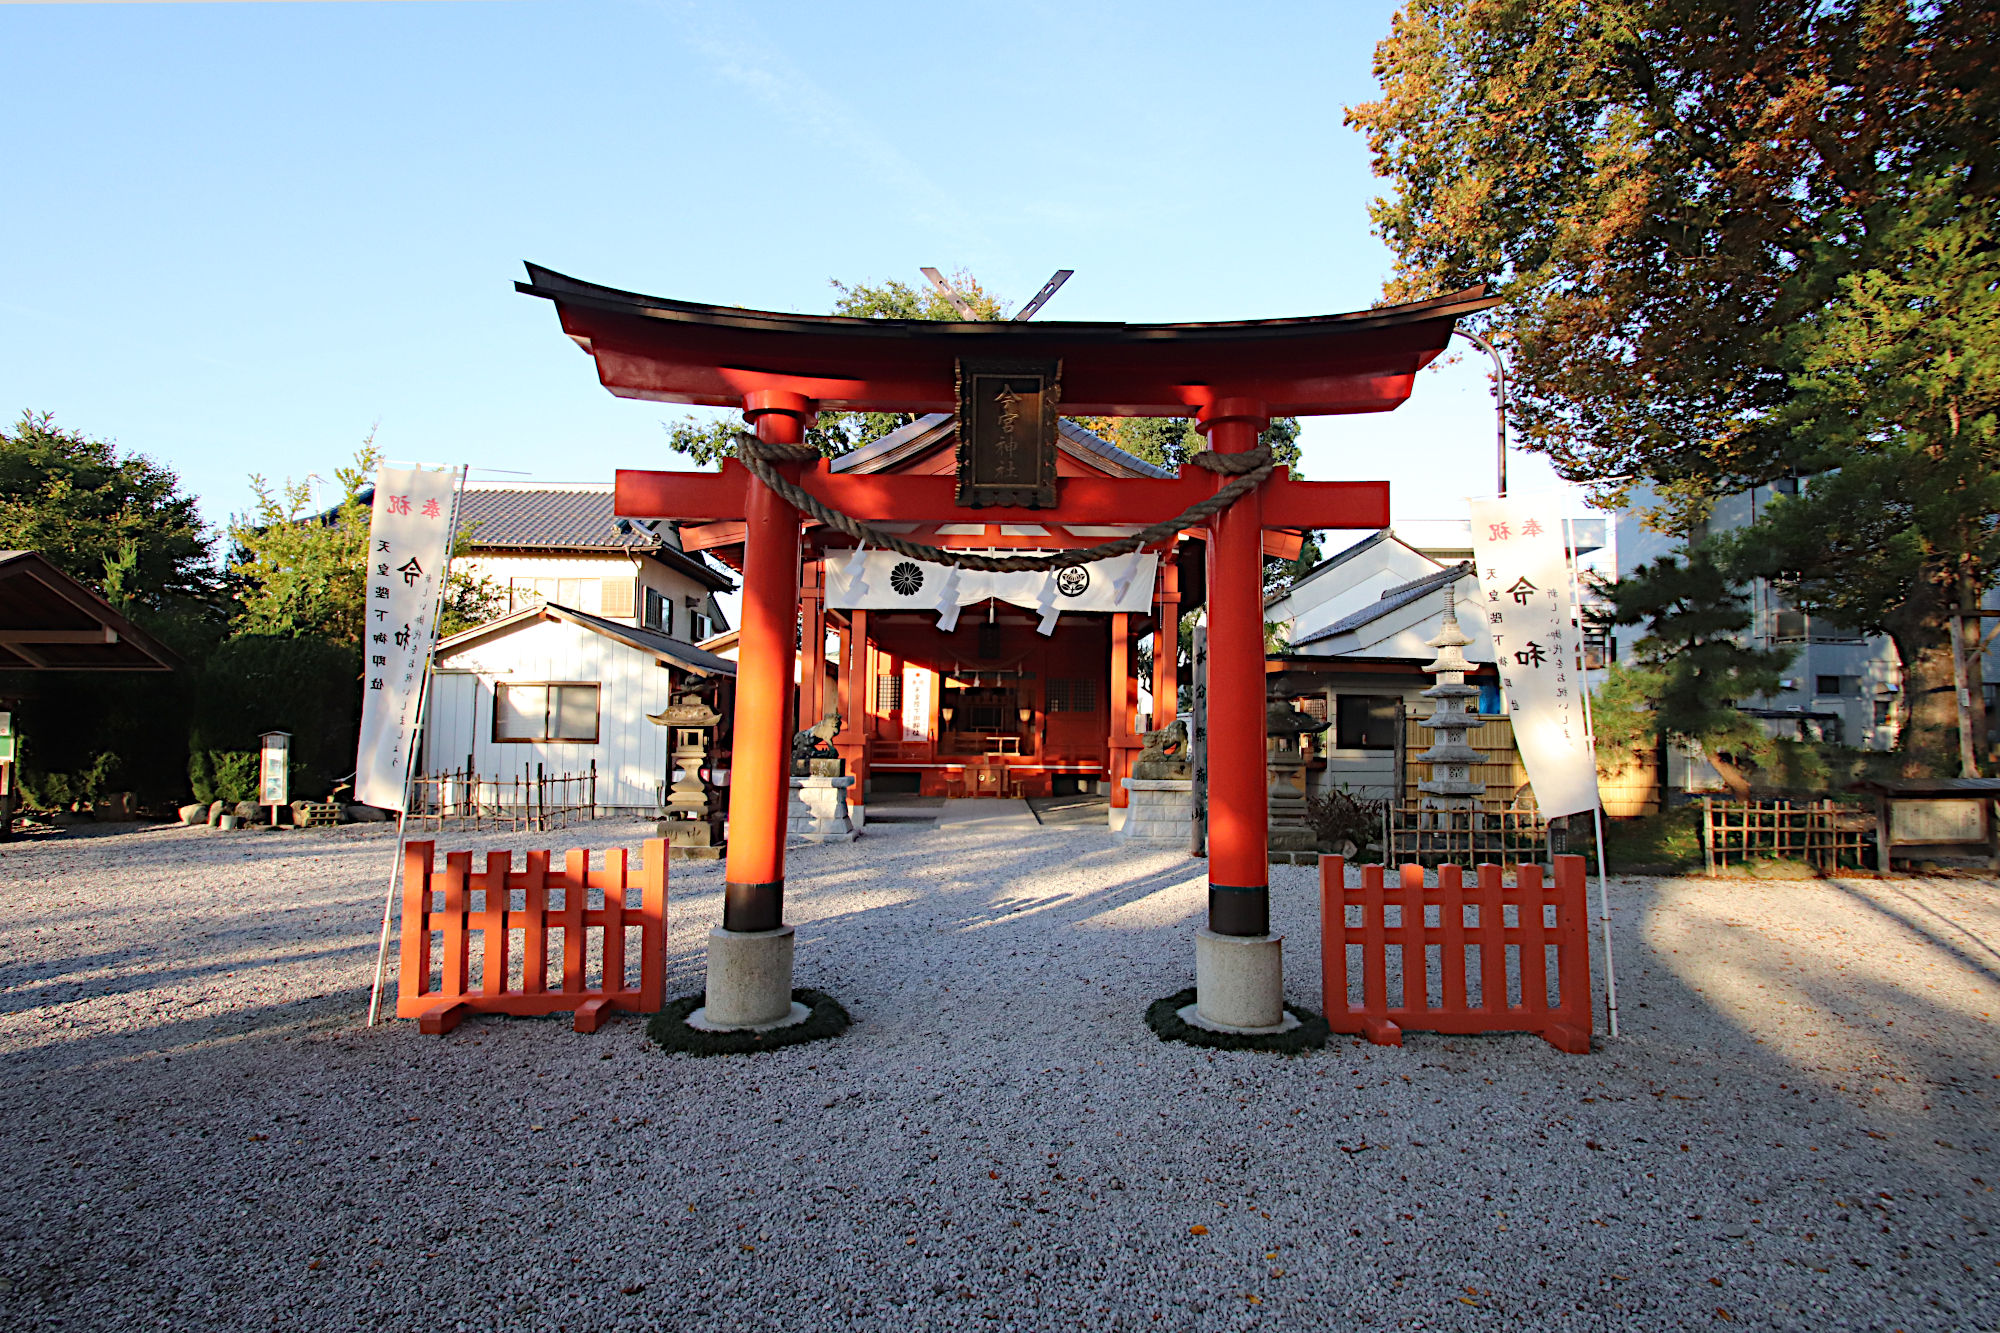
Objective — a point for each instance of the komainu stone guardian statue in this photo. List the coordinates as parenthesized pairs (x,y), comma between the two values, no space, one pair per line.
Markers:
(813,754)
(1166,753)
(818,810)
(1160,791)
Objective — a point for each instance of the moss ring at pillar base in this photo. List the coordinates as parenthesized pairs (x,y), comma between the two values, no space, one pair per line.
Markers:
(1163,1016)
(669,1028)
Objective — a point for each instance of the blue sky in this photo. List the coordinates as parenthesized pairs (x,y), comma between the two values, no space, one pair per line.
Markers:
(241,235)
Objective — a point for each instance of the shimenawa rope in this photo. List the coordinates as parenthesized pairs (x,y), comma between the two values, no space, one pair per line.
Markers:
(1249,469)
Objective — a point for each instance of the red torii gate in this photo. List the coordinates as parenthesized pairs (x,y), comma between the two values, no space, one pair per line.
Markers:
(782,369)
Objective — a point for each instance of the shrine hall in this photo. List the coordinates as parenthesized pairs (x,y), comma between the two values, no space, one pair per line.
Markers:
(992,696)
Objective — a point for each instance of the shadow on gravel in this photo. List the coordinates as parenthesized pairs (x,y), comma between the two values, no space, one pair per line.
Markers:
(1917,916)
(1796,1131)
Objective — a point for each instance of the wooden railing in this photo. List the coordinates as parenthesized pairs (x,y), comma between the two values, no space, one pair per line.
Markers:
(1493,832)
(448,908)
(1822,833)
(536,801)
(1493,974)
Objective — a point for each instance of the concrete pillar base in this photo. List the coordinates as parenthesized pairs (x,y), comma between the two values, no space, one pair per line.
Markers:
(1239,982)
(749,979)
(1191,1015)
(699,1019)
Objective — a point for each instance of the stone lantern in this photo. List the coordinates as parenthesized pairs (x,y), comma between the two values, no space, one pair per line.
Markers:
(1450,796)
(1291,837)
(692,825)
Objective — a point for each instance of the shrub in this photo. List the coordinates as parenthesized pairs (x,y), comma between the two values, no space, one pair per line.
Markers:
(1338,816)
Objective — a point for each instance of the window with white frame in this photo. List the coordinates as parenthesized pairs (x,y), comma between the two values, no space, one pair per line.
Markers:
(576,594)
(550,711)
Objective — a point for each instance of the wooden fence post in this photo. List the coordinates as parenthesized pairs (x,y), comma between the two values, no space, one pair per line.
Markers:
(1708,833)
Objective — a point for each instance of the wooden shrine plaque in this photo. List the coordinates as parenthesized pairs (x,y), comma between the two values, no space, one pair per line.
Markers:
(1007,433)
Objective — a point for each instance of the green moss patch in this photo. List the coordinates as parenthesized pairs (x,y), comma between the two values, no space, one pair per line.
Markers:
(670,1031)
(1163,1016)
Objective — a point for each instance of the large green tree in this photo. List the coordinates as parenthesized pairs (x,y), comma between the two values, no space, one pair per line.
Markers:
(1736,243)
(119,523)
(301,572)
(1690,668)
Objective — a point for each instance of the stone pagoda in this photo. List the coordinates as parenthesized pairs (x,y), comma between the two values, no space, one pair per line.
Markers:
(1450,789)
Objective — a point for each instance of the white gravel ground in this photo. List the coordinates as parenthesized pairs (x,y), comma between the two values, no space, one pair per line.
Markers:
(1797,1130)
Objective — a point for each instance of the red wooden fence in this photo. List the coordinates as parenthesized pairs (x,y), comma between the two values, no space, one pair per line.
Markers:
(444,904)
(1485,943)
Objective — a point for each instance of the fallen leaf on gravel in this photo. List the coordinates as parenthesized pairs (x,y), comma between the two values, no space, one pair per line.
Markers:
(1253,1298)
(636,1287)
(1467,1300)
(1197,1230)
(259,1138)
(993,1175)
(912,1240)
(1721,1313)
(315,1265)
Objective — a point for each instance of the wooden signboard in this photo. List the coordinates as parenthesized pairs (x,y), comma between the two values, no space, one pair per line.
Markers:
(1007,433)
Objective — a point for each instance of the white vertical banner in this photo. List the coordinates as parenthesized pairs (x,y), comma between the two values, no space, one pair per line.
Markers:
(1524,581)
(916,703)
(409,542)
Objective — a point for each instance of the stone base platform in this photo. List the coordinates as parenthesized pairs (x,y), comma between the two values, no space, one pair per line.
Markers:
(818,811)
(1159,812)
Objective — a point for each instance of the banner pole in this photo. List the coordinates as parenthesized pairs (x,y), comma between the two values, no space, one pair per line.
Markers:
(1596,811)
(410,767)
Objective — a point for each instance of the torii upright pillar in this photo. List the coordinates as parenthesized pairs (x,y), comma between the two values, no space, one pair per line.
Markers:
(750,955)
(1239,968)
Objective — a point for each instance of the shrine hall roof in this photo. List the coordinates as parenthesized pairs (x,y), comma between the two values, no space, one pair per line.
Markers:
(935,428)
(665,350)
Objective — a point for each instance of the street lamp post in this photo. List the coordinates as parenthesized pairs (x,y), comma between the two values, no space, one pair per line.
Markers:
(1500,402)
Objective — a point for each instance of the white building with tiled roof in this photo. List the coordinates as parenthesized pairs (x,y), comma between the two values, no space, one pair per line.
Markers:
(561,542)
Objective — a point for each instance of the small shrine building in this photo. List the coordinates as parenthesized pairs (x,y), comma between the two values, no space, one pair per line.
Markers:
(1001,699)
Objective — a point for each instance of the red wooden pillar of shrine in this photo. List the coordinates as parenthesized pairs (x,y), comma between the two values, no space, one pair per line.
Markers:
(1239,895)
(1166,640)
(812,645)
(852,740)
(753,894)
(1121,702)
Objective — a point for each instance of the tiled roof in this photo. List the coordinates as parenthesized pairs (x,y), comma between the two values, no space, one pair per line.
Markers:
(1393,600)
(575,516)
(570,518)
